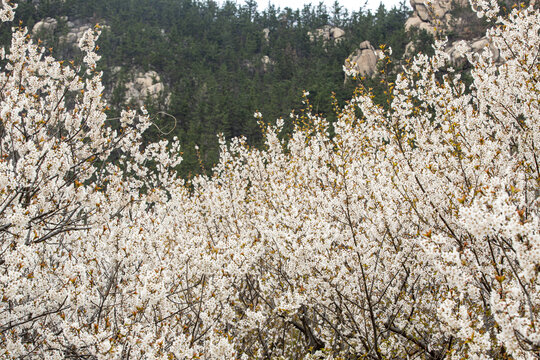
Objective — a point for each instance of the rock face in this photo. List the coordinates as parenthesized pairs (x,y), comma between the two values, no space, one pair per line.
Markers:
(433,16)
(327,33)
(266,35)
(76,28)
(144,86)
(47,25)
(266,62)
(364,60)
(476,46)
(436,18)
(75,32)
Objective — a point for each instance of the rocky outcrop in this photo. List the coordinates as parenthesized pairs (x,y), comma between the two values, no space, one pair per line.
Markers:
(266,35)
(258,64)
(476,46)
(440,17)
(144,86)
(327,33)
(433,16)
(364,60)
(266,62)
(75,29)
(47,25)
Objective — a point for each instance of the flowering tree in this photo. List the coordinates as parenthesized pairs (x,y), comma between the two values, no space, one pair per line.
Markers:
(69,256)
(413,232)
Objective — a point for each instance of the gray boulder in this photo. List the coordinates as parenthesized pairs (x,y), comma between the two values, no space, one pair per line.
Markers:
(47,25)
(476,46)
(364,59)
(327,33)
(436,18)
(266,34)
(75,29)
(267,62)
(143,86)
(433,16)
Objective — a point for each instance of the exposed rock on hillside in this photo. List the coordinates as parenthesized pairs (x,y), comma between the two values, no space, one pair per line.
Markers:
(439,18)
(327,33)
(75,29)
(476,45)
(433,16)
(260,63)
(266,34)
(144,86)
(47,25)
(364,60)
(266,62)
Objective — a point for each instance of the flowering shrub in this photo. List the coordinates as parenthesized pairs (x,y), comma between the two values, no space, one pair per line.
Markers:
(413,232)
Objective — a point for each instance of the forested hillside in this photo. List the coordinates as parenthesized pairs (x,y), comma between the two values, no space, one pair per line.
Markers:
(216,63)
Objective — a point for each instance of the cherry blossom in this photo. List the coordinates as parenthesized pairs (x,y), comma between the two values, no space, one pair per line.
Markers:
(411,232)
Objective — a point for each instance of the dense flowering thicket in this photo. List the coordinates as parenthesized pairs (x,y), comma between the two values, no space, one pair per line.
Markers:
(413,232)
